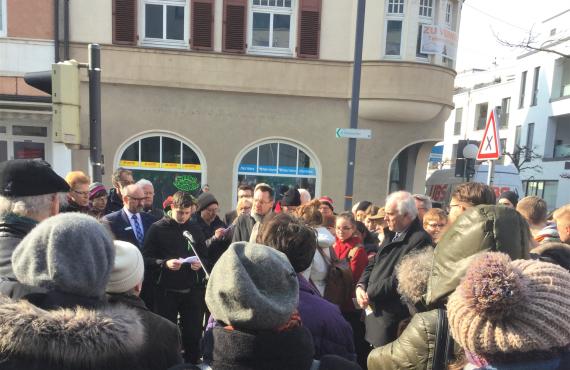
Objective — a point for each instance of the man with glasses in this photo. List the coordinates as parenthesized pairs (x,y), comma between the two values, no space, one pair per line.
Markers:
(130,223)
(78,196)
(467,195)
(121,178)
(148,203)
(213,230)
(247,227)
(244,191)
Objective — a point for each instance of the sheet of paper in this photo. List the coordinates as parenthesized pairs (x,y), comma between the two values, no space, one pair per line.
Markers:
(191,259)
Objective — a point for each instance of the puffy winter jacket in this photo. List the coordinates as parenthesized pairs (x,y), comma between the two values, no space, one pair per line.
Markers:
(478,230)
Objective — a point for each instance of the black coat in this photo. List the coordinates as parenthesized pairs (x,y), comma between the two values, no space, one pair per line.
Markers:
(12,230)
(164,241)
(242,229)
(114,202)
(162,338)
(216,247)
(379,280)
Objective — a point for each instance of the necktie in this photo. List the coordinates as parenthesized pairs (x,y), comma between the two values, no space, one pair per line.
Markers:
(138,229)
(396,236)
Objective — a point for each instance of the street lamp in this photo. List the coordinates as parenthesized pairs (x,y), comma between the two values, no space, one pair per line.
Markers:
(469,153)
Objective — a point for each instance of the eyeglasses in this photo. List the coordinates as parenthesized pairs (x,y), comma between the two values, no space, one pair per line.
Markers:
(84,193)
(136,199)
(261,201)
(149,193)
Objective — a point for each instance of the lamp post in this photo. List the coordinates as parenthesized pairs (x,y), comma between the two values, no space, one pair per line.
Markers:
(469,153)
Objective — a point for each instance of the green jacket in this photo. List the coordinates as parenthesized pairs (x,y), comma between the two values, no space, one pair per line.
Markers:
(478,230)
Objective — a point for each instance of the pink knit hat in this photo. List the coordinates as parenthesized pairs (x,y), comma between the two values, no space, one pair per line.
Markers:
(510,307)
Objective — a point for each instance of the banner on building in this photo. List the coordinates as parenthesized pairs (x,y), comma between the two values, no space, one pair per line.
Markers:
(438,40)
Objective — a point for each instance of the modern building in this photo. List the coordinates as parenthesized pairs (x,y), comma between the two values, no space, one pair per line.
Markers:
(226,91)
(533,97)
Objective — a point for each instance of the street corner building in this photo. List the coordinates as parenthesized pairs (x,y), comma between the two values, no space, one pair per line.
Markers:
(229,91)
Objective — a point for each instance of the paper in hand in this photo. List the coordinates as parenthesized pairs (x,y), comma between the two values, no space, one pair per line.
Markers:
(191,259)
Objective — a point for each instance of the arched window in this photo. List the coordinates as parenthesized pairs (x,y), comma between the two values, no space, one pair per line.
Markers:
(280,164)
(168,161)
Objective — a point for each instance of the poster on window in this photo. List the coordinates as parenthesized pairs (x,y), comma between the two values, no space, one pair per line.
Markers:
(438,40)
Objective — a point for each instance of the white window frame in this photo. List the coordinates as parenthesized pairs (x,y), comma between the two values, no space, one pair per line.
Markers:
(272,10)
(426,6)
(4,19)
(154,42)
(400,6)
(10,138)
(316,164)
(448,15)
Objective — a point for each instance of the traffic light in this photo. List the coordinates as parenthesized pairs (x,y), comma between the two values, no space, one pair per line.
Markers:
(62,82)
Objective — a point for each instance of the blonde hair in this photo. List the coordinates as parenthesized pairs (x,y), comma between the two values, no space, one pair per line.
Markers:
(77,178)
(242,203)
(435,214)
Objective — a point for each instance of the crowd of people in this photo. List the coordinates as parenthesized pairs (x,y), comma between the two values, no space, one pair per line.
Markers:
(97,278)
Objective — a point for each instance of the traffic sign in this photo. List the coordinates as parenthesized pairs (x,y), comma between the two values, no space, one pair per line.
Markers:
(353,133)
(490,145)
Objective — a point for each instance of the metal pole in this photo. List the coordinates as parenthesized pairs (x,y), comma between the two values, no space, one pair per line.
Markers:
(354,103)
(95,111)
(491,173)
(66,29)
(56,30)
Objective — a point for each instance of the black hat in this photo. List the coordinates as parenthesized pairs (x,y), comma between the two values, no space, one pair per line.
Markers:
(25,177)
(291,198)
(511,196)
(205,199)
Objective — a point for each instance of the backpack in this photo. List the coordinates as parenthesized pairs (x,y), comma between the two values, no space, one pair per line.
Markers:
(338,283)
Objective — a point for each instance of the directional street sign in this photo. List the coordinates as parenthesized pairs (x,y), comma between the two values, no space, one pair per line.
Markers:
(489,148)
(353,133)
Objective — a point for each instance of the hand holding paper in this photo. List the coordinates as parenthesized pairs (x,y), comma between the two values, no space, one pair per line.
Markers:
(191,260)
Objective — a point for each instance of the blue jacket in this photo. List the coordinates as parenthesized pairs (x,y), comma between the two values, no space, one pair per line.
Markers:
(332,334)
(121,226)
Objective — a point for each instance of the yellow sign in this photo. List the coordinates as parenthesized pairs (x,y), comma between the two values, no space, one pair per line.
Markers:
(150,164)
(171,165)
(192,167)
(129,163)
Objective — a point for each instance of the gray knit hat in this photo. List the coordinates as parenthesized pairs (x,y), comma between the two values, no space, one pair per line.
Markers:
(252,287)
(205,200)
(70,252)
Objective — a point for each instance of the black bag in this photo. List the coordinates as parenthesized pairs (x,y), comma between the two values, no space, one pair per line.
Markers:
(338,284)
(443,351)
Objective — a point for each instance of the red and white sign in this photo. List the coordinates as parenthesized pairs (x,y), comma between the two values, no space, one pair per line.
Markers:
(490,145)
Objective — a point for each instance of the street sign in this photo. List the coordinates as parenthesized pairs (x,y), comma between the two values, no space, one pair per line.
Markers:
(489,148)
(353,133)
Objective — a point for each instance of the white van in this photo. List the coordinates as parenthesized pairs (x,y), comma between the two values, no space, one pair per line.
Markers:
(440,185)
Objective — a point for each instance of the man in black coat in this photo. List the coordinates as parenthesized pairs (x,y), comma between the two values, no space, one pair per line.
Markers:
(121,178)
(180,285)
(376,288)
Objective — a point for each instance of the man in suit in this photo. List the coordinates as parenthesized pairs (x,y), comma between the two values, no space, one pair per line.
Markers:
(377,285)
(130,223)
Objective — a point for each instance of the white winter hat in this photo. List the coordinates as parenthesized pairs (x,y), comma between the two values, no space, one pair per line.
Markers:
(128,270)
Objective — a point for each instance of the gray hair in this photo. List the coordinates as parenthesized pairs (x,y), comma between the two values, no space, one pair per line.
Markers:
(424,199)
(144,182)
(405,203)
(36,206)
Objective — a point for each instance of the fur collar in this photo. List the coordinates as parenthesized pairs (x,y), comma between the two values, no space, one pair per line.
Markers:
(80,337)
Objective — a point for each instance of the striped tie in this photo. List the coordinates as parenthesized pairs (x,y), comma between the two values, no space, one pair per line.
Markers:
(138,229)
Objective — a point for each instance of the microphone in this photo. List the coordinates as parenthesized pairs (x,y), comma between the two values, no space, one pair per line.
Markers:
(191,242)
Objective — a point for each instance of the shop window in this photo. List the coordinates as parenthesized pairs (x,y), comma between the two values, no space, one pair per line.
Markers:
(547,190)
(167,161)
(24,141)
(280,164)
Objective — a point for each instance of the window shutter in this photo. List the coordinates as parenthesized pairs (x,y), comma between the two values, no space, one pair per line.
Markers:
(125,22)
(309,29)
(235,17)
(202,37)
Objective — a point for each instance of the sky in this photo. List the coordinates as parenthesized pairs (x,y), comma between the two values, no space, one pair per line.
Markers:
(510,19)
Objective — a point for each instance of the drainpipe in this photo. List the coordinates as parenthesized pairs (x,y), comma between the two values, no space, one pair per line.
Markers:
(56,30)
(66,29)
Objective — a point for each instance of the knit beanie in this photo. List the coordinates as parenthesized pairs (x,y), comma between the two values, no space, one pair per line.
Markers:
(511,196)
(328,201)
(128,270)
(291,198)
(96,190)
(70,252)
(205,199)
(253,287)
(503,307)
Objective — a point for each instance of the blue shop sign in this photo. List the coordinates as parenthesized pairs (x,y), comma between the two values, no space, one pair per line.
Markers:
(247,168)
(307,171)
(285,170)
(267,169)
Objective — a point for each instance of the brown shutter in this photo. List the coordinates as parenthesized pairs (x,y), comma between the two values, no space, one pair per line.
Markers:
(125,22)
(309,32)
(202,37)
(235,18)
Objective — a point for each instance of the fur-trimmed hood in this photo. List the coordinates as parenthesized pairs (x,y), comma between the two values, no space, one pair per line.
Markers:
(413,273)
(553,252)
(80,338)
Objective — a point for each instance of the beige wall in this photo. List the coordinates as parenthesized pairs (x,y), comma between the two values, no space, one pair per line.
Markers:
(31,19)
(338,20)
(91,21)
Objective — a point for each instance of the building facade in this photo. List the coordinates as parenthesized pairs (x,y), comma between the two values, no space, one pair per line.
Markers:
(533,97)
(227,91)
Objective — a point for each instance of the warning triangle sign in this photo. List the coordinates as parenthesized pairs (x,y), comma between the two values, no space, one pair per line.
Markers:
(490,145)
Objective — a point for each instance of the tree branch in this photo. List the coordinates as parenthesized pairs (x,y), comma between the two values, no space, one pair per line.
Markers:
(529,43)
